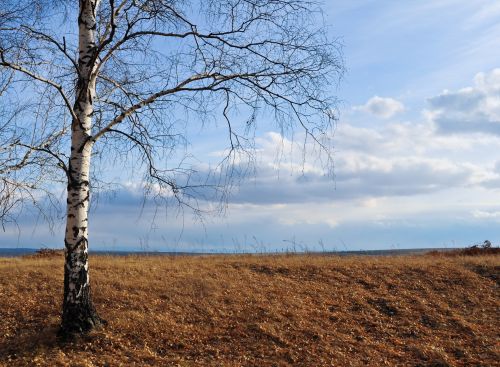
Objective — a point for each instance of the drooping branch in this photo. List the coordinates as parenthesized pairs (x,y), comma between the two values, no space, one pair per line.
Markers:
(183,86)
(42,79)
(45,149)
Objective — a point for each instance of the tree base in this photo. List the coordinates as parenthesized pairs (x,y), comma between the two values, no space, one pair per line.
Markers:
(79,320)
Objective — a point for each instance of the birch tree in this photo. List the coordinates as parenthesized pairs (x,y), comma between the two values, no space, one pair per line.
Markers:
(86,82)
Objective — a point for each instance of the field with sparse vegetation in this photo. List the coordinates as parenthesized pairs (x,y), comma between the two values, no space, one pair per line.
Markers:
(296,310)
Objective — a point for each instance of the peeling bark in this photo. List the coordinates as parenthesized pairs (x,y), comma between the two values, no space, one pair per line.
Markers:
(79,314)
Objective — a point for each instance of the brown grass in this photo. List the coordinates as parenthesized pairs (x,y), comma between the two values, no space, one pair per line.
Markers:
(259,311)
(468,251)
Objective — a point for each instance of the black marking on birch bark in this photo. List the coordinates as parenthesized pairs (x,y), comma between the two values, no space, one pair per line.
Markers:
(72,247)
(76,230)
(82,202)
(82,146)
(76,185)
(79,82)
(93,5)
(82,241)
(78,107)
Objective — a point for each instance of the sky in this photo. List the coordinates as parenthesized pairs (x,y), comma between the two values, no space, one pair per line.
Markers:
(416,150)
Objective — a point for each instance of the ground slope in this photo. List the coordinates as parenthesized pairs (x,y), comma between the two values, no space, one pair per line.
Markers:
(260,311)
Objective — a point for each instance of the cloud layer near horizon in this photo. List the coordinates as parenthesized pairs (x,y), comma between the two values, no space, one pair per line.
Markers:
(413,178)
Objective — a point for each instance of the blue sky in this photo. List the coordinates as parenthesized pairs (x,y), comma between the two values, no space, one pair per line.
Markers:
(416,150)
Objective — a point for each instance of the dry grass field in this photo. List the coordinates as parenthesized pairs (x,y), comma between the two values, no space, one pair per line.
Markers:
(298,310)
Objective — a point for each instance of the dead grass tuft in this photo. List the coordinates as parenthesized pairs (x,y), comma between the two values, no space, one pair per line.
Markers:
(259,311)
(476,250)
(46,253)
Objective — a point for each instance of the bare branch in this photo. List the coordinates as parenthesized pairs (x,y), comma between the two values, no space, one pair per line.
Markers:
(46,37)
(180,87)
(40,78)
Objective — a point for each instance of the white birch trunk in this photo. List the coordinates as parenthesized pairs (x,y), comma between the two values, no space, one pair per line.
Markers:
(79,314)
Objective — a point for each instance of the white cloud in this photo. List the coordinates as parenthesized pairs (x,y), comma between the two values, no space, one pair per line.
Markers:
(483,214)
(392,160)
(383,107)
(469,110)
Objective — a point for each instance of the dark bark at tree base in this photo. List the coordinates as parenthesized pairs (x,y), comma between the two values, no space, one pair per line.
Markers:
(79,319)
(79,315)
